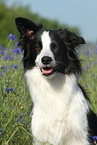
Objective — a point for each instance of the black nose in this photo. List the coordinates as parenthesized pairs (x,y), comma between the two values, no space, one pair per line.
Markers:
(46,60)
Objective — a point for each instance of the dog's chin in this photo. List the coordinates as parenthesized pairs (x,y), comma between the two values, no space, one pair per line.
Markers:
(49,76)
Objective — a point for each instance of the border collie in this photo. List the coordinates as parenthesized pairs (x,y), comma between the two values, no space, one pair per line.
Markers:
(61,112)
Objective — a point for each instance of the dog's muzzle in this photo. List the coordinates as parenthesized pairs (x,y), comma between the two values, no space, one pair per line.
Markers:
(47,68)
(46,60)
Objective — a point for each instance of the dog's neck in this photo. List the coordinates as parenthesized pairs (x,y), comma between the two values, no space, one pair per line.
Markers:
(59,85)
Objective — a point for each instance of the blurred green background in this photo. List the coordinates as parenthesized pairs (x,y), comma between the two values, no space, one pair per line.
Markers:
(15,105)
(8,15)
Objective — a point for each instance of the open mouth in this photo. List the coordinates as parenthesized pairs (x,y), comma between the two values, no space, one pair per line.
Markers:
(47,71)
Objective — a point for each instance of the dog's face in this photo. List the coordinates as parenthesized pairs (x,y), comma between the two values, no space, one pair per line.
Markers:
(51,51)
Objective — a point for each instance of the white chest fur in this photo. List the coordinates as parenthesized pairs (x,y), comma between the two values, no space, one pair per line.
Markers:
(59,114)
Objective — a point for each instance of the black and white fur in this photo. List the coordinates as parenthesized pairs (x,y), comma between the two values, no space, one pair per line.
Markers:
(61,113)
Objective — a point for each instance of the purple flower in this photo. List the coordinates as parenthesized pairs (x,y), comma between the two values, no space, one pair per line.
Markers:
(1,131)
(25,123)
(17,51)
(12,37)
(96,52)
(3,67)
(86,85)
(88,67)
(26,89)
(2,52)
(21,59)
(1,47)
(92,76)
(94,139)
(16,121)
(21,119)
(7,57)
(9,90)
(21,115)
(87,53)
(4,114)
(16,44)
(15,66)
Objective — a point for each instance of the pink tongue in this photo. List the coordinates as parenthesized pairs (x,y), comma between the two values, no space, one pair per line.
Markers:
(46,71)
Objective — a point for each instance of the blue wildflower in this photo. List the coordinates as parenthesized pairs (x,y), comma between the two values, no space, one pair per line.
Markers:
(4,114)
(94,139)
(2,52)
(16,121)
(3,67)
(96,52)
(16,44)
(12,37)
(21,119)
(9,90)
(26,89)
(87,53)
(92,76)
(21,59)
(17,51)
(1,131)
(1,47)
(15,66)
(88,67)
(25,123)
(21,115)
(86,85)
(7,57)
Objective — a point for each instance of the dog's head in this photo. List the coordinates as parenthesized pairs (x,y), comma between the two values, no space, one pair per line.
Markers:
(51,51)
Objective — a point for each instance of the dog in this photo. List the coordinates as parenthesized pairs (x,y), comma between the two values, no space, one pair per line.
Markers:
(61,109)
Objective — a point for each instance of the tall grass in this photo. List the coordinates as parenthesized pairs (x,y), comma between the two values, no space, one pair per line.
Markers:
(15,101)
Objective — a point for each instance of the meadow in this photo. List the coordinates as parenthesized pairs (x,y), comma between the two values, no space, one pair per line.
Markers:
(15,100)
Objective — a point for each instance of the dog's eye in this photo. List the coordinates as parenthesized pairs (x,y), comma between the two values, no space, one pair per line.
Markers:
(56,48)
(38,48)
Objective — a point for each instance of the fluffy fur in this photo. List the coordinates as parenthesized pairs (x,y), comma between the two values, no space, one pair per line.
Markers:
(61,111)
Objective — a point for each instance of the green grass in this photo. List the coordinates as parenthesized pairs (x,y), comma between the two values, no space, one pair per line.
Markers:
(15,105)
(88,55)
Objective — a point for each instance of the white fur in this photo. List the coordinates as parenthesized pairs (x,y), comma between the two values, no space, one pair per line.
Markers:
(60,109)
(59,114)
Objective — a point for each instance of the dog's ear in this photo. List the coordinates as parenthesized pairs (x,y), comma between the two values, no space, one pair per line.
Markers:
(71,39)
(26,27)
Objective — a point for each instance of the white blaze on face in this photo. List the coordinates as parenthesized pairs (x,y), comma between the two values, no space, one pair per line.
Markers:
(46,41)
(46,51)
